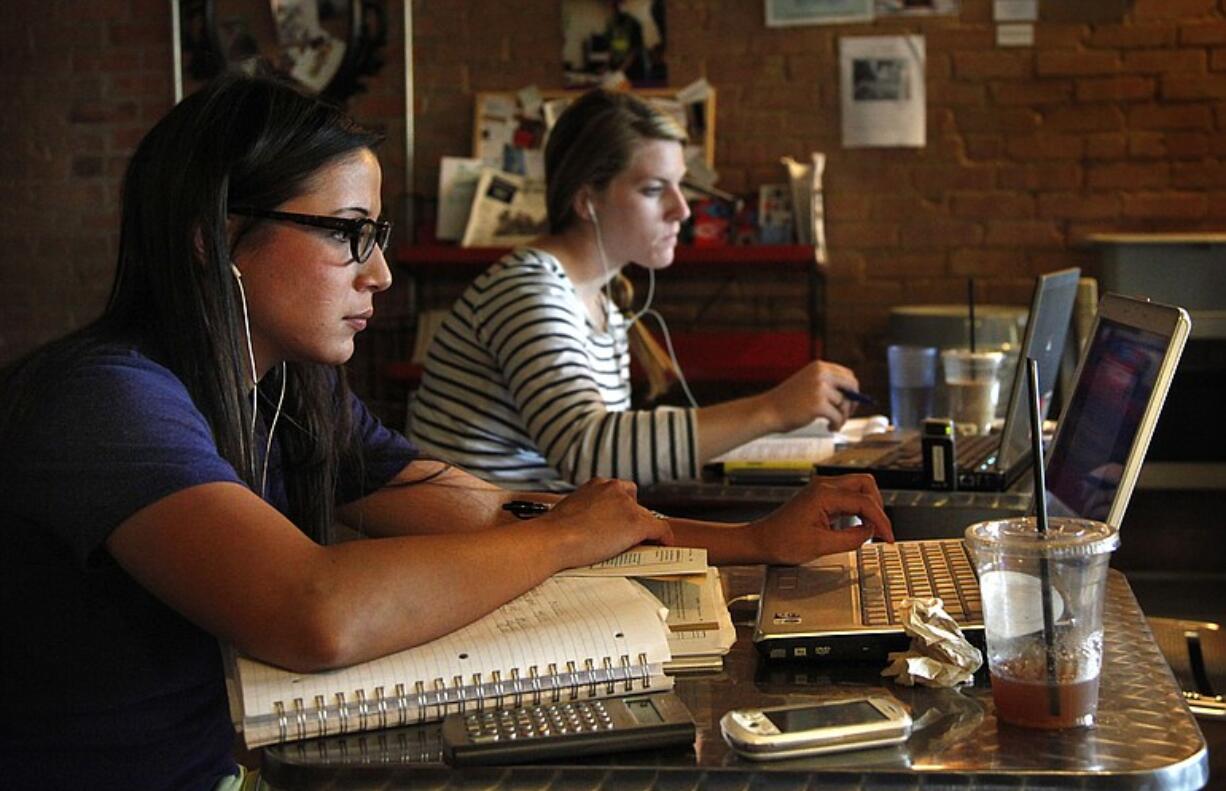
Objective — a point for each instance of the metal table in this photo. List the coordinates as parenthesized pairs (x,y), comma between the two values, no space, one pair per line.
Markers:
(1145,738)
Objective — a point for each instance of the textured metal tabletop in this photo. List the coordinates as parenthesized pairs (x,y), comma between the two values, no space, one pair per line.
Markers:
(1145,737)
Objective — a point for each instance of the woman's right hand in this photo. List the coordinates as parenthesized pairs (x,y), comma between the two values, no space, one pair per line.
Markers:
(813,392)
(600,519)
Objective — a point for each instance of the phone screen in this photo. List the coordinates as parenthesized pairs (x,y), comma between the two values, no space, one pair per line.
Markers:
(810,717)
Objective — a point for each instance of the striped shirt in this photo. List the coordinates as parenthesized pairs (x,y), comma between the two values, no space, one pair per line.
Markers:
(521,389)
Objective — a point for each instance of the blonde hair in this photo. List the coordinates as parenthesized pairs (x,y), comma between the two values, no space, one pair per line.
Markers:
(593,140)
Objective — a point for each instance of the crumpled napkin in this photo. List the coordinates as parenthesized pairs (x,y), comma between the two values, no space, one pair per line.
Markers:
(939,655)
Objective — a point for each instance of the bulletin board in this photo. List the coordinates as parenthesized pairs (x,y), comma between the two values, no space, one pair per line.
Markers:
(500,123)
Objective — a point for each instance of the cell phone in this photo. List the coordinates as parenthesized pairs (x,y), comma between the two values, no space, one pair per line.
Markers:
(565,729)
(778,732)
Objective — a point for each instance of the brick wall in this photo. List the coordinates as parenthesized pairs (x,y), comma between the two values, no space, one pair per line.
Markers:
(80,84)
(1104,126)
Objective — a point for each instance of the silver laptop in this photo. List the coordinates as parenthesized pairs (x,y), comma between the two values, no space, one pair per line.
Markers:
(988,462)
(843,606)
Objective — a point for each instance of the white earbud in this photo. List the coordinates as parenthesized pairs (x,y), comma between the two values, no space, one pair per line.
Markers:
(255,378)
(591,211)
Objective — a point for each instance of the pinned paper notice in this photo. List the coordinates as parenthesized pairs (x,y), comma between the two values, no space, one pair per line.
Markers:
(530,101)
(1015,10)
(882,92)
(1015,34)
(696,91)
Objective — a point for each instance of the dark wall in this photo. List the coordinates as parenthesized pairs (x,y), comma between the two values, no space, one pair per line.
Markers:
(1108,125)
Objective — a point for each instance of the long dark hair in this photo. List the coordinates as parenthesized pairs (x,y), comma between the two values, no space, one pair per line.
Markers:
(250,141)
(593,140)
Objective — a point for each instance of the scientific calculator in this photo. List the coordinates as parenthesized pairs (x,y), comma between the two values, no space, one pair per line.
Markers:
(566,729)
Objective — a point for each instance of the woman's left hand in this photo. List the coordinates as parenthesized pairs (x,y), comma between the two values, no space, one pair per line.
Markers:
(804,527)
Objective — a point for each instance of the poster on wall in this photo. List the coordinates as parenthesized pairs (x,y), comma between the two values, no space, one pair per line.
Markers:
(881,82)
(917,7)
(606,40)
(785,13)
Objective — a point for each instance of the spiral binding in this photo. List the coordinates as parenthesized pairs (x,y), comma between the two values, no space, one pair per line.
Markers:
(377,708)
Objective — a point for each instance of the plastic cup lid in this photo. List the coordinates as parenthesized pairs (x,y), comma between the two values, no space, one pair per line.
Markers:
(1065,537)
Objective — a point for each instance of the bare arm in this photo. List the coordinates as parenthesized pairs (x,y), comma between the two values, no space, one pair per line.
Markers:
(806,395)
(235,566)
(433,497)
(797,532)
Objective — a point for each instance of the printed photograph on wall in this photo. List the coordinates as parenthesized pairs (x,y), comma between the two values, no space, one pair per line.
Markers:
(602,39)
(879,79)
(784,13)
(917,7)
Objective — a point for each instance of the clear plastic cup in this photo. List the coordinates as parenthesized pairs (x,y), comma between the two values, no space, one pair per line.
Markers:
(973,387)
(913,378)
(1044,669)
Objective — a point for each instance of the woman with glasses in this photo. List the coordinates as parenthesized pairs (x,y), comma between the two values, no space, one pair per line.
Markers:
(170,475)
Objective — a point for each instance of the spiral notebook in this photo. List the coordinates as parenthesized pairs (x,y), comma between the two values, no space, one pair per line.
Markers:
(568,638)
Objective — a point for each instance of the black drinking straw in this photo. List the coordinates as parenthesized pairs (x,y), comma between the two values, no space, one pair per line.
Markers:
(1040,515)
(970,304)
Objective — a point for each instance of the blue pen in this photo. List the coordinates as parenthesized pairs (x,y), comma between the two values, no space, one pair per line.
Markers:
(859,398)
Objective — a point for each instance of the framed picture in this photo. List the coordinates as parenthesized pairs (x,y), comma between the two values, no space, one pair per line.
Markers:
(784,13)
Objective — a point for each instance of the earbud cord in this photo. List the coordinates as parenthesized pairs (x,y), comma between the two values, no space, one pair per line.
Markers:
(672,354)
(651,294)
(604,266)
(646,310)
(272,427)
(242,294)
(255,390)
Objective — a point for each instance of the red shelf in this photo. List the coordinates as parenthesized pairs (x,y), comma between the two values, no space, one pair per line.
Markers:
(707,355)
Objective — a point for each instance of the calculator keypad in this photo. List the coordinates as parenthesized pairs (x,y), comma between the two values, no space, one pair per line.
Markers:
(537,721)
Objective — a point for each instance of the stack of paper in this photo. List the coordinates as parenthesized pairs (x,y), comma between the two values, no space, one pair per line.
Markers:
(810,443)
(700,628)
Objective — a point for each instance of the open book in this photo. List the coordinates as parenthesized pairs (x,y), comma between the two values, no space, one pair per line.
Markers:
(566,639)
(700,630)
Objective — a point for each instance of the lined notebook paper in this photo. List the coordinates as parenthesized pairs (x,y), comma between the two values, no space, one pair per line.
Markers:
(569,638)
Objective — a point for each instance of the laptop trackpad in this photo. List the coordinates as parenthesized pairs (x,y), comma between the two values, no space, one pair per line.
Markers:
(802,597)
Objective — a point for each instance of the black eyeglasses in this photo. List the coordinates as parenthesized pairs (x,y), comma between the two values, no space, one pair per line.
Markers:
(363,234)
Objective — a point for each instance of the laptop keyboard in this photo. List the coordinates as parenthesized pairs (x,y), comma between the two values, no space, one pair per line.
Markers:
(923,569)
(968,452)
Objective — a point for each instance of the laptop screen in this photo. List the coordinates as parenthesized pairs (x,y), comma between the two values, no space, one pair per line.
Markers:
(1046,328)
(1103,417)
